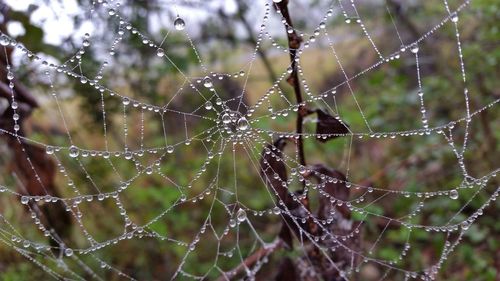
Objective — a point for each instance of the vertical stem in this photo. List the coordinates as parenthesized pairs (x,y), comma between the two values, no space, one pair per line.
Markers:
(294,41)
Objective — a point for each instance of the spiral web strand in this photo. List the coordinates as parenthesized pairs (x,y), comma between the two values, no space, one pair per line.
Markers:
(232,131)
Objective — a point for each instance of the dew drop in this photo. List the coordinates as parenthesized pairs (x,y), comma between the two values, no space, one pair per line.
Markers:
(160,52)
(465,225)
(454,17)
(179,24)
(68,252)
(241,215)
(74,151)
(454,194)
(4,40)
(207,82)
(414,48)
(170,149)
(128,155)
(24,200)
(242,124)
(208,105)
(49,150)
(322,25)
(86,43)
(126,101)
(226,119)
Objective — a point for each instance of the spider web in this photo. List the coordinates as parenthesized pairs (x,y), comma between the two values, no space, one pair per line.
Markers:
(226,224)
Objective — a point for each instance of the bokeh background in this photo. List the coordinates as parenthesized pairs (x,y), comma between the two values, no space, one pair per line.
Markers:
(225,34)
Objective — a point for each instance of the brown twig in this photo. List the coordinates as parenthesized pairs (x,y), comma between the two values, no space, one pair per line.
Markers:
(294,41)
(252,259)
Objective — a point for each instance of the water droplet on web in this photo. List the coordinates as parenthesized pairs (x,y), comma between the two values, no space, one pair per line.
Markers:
(322,25)
(347,20)
(276,1)
(128,155)
(207,82)
(179,23)
(14,105)
(68,252)
(226,119)
(25,200)
(218,101)
(183,197)
(10,75)
(86,43)
(465,225)
(414,48)
(74,151)
(454,194)
(160,52)
(49,150)
(454,17)
(170,149)
(242,124)
(111,12)
(149,170)
(276,210)
(208,105)
(4,40)
(241,215)
(126,101)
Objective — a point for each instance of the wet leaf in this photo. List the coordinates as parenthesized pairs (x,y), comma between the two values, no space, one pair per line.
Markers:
(329,127)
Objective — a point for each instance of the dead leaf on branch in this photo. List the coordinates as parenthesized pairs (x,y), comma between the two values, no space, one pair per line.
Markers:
(329,127)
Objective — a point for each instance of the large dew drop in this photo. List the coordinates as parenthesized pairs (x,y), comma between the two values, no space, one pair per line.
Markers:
(226,119)
(207,82)
(241,215)
(208,105)
(179,24)
(414,48)
(74,151)
(170,149)
(68,252)
(4,40)
(242,124)
(49,150)
(454,194)
(160,52)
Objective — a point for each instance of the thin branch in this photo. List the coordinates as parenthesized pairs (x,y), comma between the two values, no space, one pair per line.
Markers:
(294,41)
(252,259)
